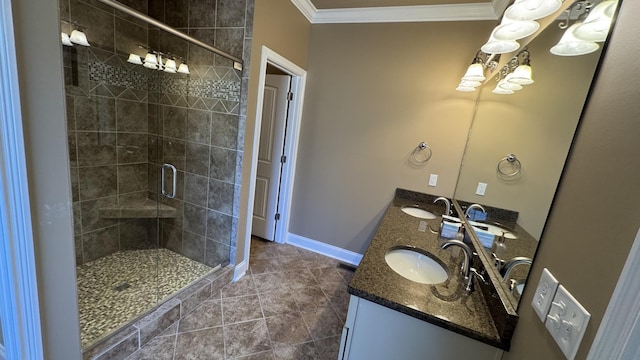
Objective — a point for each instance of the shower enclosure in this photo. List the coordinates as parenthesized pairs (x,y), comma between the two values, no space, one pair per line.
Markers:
(153,150)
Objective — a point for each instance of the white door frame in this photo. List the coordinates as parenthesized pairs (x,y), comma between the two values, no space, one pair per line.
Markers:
(292,132)
(19,308)
(280,85)
(617,336)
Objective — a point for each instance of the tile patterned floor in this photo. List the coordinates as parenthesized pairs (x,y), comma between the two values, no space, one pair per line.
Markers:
(117,288)
(292,304)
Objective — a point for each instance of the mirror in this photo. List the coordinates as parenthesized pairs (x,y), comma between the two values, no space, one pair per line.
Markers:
(537,125)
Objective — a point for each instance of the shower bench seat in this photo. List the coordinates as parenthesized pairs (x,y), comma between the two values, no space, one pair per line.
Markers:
(139,208)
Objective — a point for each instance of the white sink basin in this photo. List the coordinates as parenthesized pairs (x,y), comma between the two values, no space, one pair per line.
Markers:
(417,212)
(497,230)
(416,266)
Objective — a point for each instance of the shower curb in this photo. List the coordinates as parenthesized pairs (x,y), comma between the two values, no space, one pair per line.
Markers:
(139,331)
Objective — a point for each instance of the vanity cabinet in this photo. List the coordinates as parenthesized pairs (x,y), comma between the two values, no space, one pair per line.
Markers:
(375,332)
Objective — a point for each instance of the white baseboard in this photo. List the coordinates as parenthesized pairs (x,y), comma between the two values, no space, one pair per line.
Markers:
(240,270)
(321,248)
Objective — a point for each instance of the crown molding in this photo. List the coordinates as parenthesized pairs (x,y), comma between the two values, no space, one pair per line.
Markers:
(306,8)
(422,13)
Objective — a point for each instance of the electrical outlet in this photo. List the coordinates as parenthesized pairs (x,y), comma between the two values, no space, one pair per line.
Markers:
(481,189)
(544,294)
(433,180)
(567,322)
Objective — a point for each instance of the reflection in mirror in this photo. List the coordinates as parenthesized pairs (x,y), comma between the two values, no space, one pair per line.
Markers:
(537,125)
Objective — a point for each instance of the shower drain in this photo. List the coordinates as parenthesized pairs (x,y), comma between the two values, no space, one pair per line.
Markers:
(121,287)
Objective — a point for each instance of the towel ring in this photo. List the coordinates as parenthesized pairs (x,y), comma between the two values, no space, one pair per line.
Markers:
(421,154)
(512,162)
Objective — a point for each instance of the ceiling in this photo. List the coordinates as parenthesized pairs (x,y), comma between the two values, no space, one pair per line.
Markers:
(338,4)
(373,11)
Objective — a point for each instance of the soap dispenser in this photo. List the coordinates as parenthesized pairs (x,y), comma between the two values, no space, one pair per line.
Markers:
(460,234)
(499,248)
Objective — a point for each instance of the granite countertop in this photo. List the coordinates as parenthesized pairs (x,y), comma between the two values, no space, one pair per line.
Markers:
(447,305)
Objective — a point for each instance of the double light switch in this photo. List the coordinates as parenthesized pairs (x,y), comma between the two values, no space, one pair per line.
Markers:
(564,317)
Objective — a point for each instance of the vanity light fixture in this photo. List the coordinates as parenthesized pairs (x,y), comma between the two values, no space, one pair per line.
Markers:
(183,69)
(170,66)
(507,84)
(474,75)
(65,39)
(596,26)
(134,59)
(498,90)
(466,86)
(582,37)
(524,10)
(515,30)
(150,61)
(514,75)
(78,37)
(154,60)
(522,74)
(569,45)
(495,46)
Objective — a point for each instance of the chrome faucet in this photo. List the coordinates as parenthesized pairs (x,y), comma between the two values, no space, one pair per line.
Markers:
(473,273)
(474,206)
(509,265)
(447,204)
(466,264)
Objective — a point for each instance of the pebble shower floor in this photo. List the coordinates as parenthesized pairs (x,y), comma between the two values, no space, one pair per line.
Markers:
(117,288)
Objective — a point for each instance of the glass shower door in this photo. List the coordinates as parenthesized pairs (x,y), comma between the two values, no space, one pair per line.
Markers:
(153,158)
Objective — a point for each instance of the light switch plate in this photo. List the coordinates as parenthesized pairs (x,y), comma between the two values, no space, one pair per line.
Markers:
(544,294)
(481,189)
(567,322)
(433,180)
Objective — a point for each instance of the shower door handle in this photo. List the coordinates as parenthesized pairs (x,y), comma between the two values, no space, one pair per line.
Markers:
(171,194)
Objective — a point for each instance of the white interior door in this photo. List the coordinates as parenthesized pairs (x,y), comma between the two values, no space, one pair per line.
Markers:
(274,118)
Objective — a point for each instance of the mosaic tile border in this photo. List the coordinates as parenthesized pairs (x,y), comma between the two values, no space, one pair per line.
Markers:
(221,89)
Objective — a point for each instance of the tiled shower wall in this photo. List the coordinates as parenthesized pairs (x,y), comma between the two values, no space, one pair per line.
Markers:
(124,121)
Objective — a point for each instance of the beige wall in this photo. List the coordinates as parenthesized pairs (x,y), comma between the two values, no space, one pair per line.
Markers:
(375,91)
(278,25)
(43,112)
(596,215)
(537,124)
